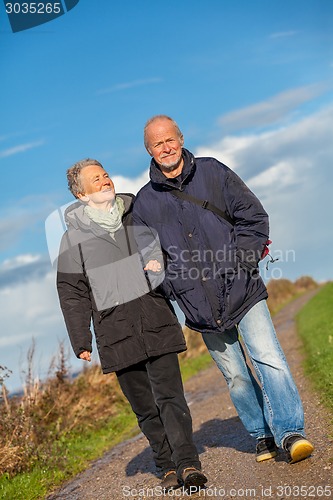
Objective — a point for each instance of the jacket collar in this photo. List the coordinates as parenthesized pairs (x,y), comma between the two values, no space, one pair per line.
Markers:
(158,178)
(76,217)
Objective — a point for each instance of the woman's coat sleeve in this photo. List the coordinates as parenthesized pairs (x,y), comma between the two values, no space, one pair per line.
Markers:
(74,297)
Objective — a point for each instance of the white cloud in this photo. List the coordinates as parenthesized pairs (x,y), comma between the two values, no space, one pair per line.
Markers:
(229,149)
(283,174)
(30,310)
(304,142)
(284,34)
(128,185)
(128,85)
(18,261)
(23,269)
(21,148)
(272,110)
(22,217)
(12,225)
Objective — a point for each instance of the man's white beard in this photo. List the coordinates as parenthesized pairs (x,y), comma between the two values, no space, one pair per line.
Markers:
(172,166)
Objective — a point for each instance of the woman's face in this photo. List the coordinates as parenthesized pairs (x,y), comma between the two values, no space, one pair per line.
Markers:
(97,186)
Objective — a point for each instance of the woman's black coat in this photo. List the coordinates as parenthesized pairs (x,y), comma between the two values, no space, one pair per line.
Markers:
(101,279)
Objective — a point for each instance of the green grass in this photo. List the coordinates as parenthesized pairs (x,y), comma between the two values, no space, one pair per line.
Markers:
(190,367)
(74,453)
(315,326)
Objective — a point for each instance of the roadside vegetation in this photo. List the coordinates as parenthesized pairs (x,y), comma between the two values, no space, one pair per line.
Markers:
(315,326)
(283,291)
(56,428)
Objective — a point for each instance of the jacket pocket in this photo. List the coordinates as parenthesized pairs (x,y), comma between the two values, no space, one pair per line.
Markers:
(187,299)
(113,326)
(106,312)
(236,286)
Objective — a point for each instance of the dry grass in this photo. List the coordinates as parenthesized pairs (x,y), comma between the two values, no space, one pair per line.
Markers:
(281,291)
(32,425)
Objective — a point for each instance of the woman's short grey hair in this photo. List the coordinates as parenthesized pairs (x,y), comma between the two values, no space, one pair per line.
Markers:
(159,117)
(74,177)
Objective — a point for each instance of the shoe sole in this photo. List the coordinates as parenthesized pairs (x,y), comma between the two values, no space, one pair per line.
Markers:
(195,479)
(266,456)
(300,450)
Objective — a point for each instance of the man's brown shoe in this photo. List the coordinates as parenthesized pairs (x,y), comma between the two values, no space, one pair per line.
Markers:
(193,477)
(170,481)
(265,449)
(298,448)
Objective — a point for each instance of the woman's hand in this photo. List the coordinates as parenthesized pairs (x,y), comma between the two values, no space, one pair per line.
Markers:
(86,355)
(154,266)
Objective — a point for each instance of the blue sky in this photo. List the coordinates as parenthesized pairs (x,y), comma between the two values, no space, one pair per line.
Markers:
(249,83)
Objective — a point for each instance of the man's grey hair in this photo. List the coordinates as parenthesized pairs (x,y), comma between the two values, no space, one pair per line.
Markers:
(74,177)
(159,117)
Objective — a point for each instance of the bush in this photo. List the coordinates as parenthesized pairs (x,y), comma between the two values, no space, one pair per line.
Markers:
(281,291)
(33,425)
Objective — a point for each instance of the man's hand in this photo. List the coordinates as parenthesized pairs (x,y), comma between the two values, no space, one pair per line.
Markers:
(154,266)
(86,355)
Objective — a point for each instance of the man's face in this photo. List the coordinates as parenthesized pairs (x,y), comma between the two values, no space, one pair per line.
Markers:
(97,185)
(165,144)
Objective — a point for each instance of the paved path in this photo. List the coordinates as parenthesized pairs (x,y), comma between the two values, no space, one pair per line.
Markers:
(226,450)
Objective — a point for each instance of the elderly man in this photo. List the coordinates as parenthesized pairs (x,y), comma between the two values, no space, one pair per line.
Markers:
(213,231)
(100,278)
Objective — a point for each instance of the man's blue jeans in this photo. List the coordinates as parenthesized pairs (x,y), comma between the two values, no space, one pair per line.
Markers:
(272,408)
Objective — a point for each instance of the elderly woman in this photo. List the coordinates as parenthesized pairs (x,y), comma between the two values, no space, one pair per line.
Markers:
(101,279)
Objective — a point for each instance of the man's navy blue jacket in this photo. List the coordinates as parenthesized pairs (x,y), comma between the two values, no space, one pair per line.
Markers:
(211,264)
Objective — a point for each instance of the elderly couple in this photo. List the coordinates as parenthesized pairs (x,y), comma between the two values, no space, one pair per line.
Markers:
(120,263)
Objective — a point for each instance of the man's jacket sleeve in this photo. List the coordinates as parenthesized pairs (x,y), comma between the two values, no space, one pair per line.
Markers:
(73,292)
(251,221)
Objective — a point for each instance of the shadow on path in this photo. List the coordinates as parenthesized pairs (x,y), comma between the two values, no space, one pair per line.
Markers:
(215,433)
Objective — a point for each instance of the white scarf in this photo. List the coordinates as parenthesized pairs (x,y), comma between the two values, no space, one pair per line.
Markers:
(110,221)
